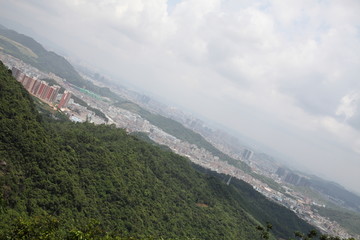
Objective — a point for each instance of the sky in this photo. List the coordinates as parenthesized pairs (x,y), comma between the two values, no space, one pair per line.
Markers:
(286,73)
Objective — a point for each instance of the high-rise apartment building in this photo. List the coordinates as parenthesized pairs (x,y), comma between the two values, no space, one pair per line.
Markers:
(21,77)
(45,92)
(49,93)
(30,83)
(35,88)
(247,154)
(40,88)
(54,94)
(25,81)
(64,99)
(15,72)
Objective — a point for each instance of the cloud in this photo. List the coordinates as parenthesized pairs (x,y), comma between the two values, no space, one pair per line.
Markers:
(349,105)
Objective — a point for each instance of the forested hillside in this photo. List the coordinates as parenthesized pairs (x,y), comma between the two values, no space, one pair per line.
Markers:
(335,191)
(349,219)
(33,53)
(79,173)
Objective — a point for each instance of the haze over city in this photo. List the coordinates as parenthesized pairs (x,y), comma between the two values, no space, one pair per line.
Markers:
(285,73)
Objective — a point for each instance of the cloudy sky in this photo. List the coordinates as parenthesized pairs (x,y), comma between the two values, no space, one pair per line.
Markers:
(286,73)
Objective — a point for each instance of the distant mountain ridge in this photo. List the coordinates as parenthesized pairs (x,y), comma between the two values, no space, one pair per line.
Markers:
(336,192)
(330,191)
(47,61)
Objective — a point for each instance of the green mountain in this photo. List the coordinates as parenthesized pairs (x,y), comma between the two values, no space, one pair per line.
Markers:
(33,53)
(335,193)
(80,173)
(323,190)
(346,218)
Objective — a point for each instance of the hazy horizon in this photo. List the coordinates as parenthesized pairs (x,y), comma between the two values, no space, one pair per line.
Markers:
(285,74)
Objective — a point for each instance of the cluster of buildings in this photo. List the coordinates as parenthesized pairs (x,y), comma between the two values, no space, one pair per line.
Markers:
(79,113)
(292,178)
(247,154)
(125,119)
(64,99)
(41,89)
(303,208)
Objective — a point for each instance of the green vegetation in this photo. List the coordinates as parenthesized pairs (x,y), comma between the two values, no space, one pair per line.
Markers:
(179,131)
(31,52)
(264,232)
(16,47)
(348,219)
(71,174)
(283,220)
(334,191)
(48,112)
(47,228)
(311,235)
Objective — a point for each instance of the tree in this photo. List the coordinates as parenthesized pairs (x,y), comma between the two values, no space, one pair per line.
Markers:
(34,228)
(264,232)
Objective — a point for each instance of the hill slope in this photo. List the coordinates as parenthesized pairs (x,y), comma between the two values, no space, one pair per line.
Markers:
(33,53)
(336,193)
(348,219)
(79,172)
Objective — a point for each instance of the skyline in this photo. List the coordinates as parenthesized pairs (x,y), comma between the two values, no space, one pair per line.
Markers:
(284,74)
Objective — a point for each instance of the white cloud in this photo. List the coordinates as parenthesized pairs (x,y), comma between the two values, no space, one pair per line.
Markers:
(343,133)
(348,105)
